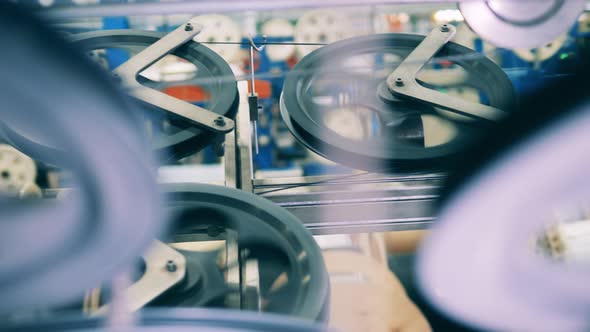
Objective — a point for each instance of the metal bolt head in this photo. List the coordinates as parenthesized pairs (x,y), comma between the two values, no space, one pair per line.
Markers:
(444,28)
(399,81)
(188,27)
(220,122)
(170,266)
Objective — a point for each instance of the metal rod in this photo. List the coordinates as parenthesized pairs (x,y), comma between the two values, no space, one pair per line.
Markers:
(216,6)
(255,131)
(253,86)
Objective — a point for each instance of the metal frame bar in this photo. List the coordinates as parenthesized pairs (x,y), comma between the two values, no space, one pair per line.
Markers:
(217,6)
(238,146)
(380,204)
(364,202)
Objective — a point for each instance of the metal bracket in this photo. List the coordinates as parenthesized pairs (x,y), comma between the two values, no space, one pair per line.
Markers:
(164,268)
(253,96)
(402,82)
(128,73)
(238,146)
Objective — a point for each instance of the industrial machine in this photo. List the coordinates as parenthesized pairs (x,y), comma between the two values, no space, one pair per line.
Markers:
(375,165)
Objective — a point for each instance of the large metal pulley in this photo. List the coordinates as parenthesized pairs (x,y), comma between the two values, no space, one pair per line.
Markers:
(52,251)
(172,320)
(235,250)
(177,127)
(502,196)
(394,102)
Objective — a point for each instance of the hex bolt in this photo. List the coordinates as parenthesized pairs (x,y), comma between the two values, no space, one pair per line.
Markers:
(188,27)
(220,122)
(170,266)
(444,28)
(399,81)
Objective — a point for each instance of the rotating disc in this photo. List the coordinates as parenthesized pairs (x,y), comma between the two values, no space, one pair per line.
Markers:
(503,196)
(521,24)
(292,278)
(219,29)
(170,137)
(52,251)
(347,77)
(175,320)
(320,26)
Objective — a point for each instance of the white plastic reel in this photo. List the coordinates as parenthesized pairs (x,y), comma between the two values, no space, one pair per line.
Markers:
(218,29)
(16,170)
(321,26)
(278,27)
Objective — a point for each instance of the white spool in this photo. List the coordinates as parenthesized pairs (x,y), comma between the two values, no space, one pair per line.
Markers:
(279,28)
(16,170)
(220,28)
(321,26)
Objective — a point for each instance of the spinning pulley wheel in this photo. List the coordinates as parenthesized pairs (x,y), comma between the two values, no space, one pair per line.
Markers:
(178,128)
(539,162)
(238,251)
(403,90)
(521,24)
(55,92)
(320,26)
(173,320)
(217,30)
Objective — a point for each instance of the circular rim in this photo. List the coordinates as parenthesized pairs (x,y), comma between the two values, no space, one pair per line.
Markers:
(381,155)
(503,33)
(177,319)
(332,26)
(547,141)
(282,28)
(220,28)
(281,226)
(53,251)
(188,140)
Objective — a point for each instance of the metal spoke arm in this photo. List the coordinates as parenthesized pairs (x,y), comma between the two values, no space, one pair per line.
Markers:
(128,74)
(402,82)
(164,268)
(197,115)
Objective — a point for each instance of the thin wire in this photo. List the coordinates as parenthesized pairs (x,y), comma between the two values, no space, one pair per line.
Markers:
(344,177)
(348,176)
(262,43)
(253,88)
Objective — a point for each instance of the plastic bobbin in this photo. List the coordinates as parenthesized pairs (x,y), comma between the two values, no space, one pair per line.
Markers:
(16,170)
(279,27)
(320,26)
(217,29)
